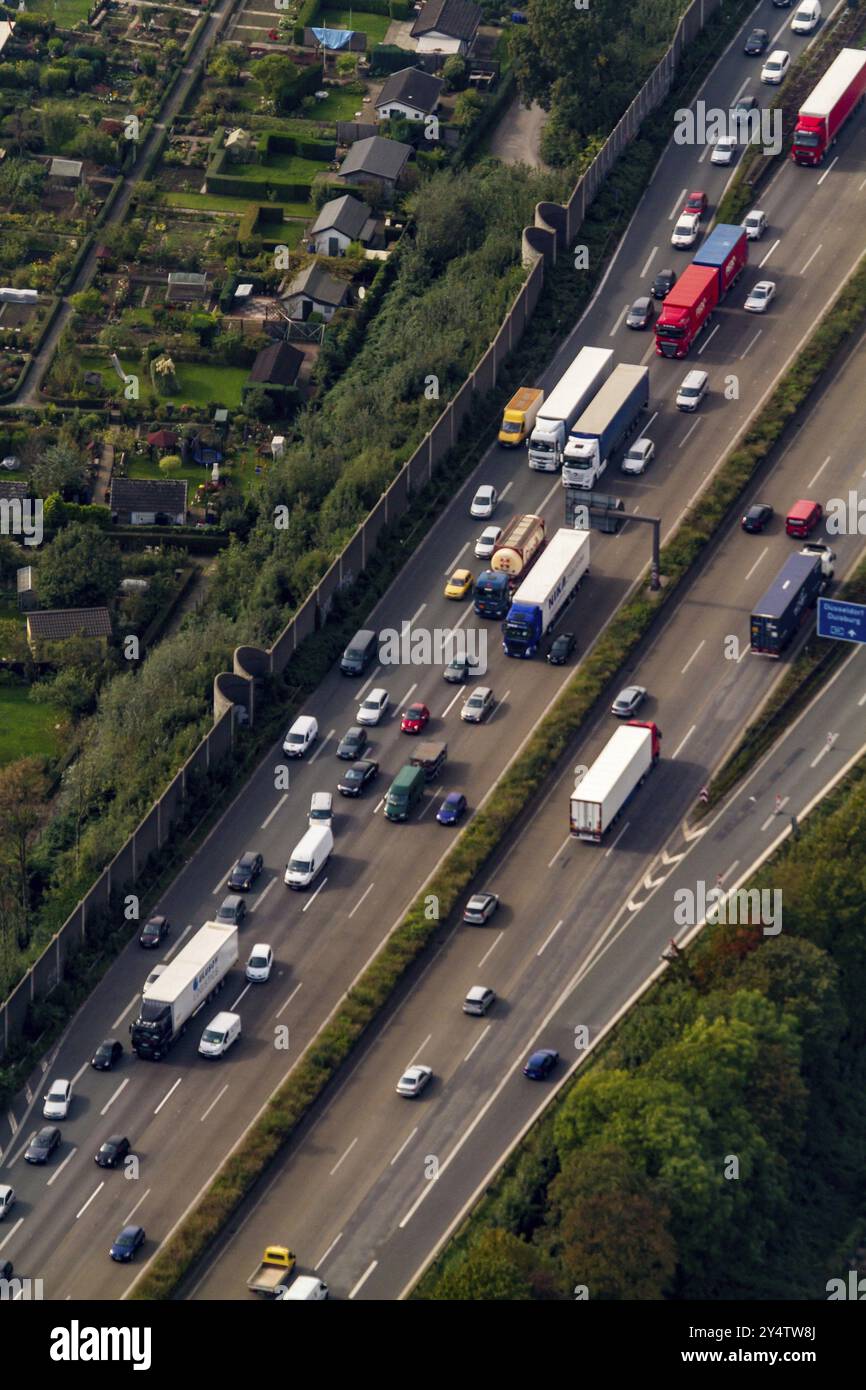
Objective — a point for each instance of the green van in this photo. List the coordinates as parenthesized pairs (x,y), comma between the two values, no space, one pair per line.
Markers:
(405,791)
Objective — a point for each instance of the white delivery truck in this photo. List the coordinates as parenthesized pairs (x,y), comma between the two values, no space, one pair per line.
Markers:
(219,1035)
(617,772)
(568,399)
(545,592)
(183,987)
(309,857)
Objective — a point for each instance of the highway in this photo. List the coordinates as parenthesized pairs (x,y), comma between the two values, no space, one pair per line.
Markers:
(184,1115)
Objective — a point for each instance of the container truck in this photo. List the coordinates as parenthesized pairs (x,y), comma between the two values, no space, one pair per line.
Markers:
(543,595)
(430,757)
(519,416)
(568,399)
(795,590)
(610,418)
(168,1004)
(519,546)
(827,108)
(687,310)
(616,774)
(491,597)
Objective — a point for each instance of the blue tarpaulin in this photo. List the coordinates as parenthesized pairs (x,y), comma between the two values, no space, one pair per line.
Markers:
(334,38)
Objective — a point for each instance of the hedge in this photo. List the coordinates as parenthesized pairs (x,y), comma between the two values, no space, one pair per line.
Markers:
(385,58)
(487,118)
(276,142)
(229,187)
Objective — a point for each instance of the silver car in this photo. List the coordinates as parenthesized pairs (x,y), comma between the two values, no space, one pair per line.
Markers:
(478,1000)
(478,706)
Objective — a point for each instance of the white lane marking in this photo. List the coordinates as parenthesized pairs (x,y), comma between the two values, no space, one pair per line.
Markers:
(702,643)
(122,1087)
(137,1205)
(168,1095)
(559,851)
(411,1061)
(427,804)
(233,1006)
(401,704)
(815,252)
(415,616)
(310,901)
(653,417)
(862,186)
(689,432)
(12,1232)
(367,683)
(345,1155)
(497,707)
(490,949)
(861,702)
(321,1260)
(505,491)
(825,750)
(728,871)
(264,893)
(59,1169)
(650,258)
(757,562)
(13,1123)
(709,338)
(704,154)
(221,886)
(171,950)
(827,170)
(477,1043)
(781,803)
(619,321)
(751,344)
(325,740)
(679,750)
(215,1101)
(131,1005)
(379,805)
(269,817)
(612,847)
(547,940)
(762,263)
(677,205)
(284,1006)
(451,703)
(87,1203)
(452,567)
(813,480)
(363,1279)
(360,900)
(406,1141)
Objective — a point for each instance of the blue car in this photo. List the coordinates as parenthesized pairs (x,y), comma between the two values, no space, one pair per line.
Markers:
(129,1240)
(452,809)
(541,1064)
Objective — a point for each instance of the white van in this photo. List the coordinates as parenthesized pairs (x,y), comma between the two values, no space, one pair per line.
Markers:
(301,736)
(321,809)
(309,857)
(305,1289)
(219,1035)
(807,17)
(7,1199)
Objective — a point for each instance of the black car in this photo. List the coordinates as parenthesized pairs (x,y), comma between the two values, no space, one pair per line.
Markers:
(245,872)
(153,932)
(460,669)
(757,43)
(756,518)
(5,1269)
(113,1151)
(561,648)
(106,1054)
(641,313)
(743,106)
(353,743)
(42,1145)
(358,777)
(124,1247)
(664,283)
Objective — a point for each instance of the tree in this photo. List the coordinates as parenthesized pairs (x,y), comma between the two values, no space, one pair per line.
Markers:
(454,72)
(13,641)
(169,463)
(276,76)
(80,568)
(225,65)
(23,791)
(497,1268)
(59,468)
(468,107)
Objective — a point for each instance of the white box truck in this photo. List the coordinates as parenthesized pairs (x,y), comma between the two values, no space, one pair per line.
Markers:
(568,399)
(186,984)
(608,420)
(545,592)
(617,772)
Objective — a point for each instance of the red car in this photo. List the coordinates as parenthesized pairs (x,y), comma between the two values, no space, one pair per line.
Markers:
(695,202)
(415,719)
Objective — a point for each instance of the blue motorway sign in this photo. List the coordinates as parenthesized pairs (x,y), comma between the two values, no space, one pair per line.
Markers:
(844,621)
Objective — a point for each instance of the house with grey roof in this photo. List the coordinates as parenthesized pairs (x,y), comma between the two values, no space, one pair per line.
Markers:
(65,173)
(447,26)
(275,367)
(315,291)
(148,501)
(60,624)
(411,93)
(341,221)
(376,161)
(185,286)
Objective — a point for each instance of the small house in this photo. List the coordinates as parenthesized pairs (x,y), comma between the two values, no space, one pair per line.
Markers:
(341,221)
(65,173)
(60,624)
(376,160)
(410,93)
(447,26)
(185,287)
(148,501)
(25,583)
(315,291)
(239,145)
(276,366)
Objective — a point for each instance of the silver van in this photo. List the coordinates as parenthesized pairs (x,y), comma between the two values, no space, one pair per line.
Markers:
(694,387)
(219,1035)
(309,857)
(363,647)
(321,809)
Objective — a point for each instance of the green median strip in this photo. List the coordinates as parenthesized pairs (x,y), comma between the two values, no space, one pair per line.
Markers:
(526,777)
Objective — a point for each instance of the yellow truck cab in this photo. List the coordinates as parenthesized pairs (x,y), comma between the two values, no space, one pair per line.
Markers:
(274,1271)
(519,416)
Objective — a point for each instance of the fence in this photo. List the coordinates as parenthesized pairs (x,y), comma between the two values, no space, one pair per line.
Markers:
(554,229)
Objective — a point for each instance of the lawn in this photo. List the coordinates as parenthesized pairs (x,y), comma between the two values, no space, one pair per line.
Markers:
(286,168)
(26,729)
(375,26)
(340,106)
(214,202)
(66,13)
(199,382)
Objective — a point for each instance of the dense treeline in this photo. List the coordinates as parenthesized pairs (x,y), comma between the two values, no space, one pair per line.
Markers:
(751,1049)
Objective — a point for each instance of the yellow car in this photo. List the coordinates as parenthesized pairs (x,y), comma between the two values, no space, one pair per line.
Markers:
(459,584)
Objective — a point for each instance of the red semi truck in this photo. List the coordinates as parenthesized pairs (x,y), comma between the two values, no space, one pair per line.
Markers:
(690,304)
(827,108)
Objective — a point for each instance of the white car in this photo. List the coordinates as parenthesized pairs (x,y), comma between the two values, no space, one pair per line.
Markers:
(479,1000)
(723,150)
(694,386)
(413,1081)
(484,501)
(776,66)
(807,18)
(755,224)
(486,541)
(260,963)
(478,705)
(639,456)
(56,1103)
(760,296)
(372,709)
(301,736)
(7,1199)
(687,231)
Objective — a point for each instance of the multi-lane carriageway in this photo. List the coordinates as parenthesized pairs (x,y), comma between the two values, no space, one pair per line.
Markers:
(184,1115)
